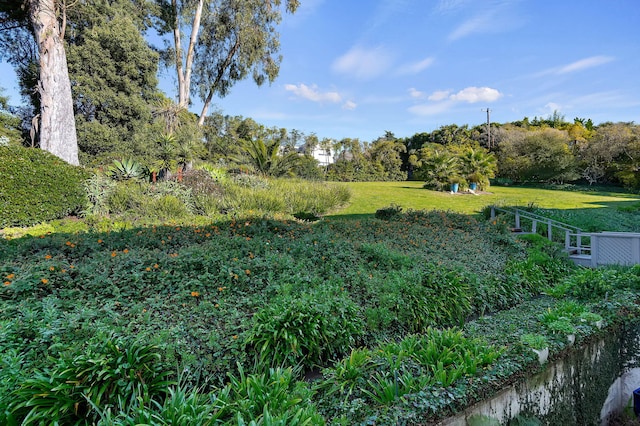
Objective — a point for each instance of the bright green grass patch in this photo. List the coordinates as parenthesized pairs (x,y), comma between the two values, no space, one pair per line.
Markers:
(367,197)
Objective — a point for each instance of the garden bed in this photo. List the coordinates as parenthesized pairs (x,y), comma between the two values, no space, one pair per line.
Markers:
(226,310)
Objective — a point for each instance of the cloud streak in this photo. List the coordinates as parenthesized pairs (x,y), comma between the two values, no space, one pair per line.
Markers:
(593,61)
(362,63)
(415,67)
(312,93)
(444,100)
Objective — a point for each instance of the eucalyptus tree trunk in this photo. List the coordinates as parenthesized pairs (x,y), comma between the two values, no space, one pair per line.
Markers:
(184,69)
(57,128)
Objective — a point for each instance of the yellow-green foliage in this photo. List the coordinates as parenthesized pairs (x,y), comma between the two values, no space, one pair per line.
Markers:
(37,186)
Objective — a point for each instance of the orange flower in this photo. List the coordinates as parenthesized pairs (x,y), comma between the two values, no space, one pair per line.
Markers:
(99,241)
(7,283)
(11,276)
(147,269)
(68,243)
(47,256)
(44,281)
(217,305)
(114,254)
(156,266)
(125,251)
(222,288)
(51,268)
(248,272)
(195,294)
(235,337)
(71,266)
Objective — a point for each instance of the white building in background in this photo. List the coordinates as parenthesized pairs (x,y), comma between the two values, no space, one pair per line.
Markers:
(323,155)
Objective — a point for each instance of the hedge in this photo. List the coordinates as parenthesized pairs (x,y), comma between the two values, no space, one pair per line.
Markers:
(37,186)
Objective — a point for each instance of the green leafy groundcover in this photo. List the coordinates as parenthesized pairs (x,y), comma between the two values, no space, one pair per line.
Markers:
(372,308)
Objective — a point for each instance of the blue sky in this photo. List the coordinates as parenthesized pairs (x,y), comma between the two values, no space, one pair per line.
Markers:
(357,68)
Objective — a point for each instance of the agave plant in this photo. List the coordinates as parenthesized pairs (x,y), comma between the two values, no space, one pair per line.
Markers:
(125,170)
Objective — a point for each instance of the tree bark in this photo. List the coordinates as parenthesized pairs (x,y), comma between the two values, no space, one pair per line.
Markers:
(57,123)
(221,70)
(184,74)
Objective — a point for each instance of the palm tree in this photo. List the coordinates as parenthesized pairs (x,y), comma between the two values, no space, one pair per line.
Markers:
(438,169)
(265,157)
(165,161)
(478,165)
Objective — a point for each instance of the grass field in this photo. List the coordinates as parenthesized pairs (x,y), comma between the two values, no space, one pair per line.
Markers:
(367,197)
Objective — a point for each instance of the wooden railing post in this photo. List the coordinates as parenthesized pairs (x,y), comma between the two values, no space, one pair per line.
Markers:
(534,226)
(493,212)
(517,219)
(549,230)
(579,242)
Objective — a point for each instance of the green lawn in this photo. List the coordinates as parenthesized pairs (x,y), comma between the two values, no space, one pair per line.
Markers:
(367,197)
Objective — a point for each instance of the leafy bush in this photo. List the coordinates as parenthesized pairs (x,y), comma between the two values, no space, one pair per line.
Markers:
(218,174)
(304,330)
(98,188)
(382,375)
(387,213)
(126,197)
(535,341)
(415,299)
(250,181)
(116,374)
(206,190)
(37,186)
(271,398)
(587,284)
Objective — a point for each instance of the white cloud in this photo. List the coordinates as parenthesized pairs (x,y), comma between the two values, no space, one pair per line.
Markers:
(312,93)
(416,67)
(477,94)
(582,64)
(349,105)
(551,107)
(363,63)
(444,100)
(439,95)
(415,93)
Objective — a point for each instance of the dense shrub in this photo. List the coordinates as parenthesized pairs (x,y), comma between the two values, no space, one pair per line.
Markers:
(304,330)
(36,186)
(113,373)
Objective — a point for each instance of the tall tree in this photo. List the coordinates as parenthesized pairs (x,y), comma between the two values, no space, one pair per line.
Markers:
(228,39)
(114,90)
(46,20)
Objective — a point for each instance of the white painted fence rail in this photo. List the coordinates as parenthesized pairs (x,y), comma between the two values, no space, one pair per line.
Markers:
(586,249)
